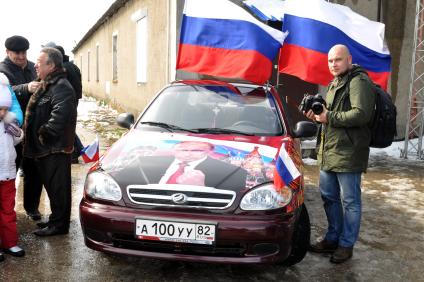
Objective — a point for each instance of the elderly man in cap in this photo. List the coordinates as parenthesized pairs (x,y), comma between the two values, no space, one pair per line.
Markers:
(21,74)
(49,128)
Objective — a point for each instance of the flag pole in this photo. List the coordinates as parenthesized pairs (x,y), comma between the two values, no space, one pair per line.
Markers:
(278,77)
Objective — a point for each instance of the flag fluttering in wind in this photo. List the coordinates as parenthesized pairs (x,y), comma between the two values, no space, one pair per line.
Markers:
(219,38)
(91,152)
(315,26)
(285,169)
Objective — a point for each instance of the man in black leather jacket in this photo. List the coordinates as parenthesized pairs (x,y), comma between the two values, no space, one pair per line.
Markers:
(50,131)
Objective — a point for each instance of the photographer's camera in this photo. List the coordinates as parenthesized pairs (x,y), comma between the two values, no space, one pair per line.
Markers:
(315,103)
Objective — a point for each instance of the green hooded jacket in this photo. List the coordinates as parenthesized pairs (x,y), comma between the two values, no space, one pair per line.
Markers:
(345,139)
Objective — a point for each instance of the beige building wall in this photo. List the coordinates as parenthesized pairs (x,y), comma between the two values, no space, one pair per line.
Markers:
(125,92)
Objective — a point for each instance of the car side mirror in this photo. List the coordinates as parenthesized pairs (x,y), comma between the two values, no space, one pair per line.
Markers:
(305,129)
(125,120)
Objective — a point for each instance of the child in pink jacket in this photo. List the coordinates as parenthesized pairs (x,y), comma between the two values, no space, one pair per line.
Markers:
(10,135)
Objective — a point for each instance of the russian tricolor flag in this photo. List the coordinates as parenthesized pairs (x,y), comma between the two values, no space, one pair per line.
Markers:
(285,169)
(316,26)
(221,39)
(91,152)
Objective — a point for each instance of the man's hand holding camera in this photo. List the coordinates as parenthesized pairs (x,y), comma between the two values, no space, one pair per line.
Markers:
(321,118)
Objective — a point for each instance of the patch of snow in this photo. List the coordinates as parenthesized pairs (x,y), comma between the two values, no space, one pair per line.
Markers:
(309,161)
(394,150)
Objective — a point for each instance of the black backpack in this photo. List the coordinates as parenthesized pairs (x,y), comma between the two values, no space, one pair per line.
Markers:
(383,125)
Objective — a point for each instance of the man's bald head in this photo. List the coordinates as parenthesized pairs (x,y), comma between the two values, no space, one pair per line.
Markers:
(340,48)
(339,60)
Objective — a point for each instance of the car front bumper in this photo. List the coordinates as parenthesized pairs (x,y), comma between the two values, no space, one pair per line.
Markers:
(239,238)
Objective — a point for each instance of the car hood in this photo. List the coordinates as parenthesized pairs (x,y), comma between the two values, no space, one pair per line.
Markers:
(232,162)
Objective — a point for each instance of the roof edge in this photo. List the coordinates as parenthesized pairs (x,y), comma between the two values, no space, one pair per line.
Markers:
(113,9)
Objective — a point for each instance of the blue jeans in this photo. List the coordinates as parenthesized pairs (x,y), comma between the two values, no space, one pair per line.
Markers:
(341,193)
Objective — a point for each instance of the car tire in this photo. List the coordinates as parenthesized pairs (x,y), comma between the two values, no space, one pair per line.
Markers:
(301,238)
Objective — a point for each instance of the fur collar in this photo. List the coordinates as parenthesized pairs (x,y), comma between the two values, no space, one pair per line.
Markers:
(51,79)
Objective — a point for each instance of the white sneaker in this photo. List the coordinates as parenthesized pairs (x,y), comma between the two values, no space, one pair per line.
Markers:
(15,251)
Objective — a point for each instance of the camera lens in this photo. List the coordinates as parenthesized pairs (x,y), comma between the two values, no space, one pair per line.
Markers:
(317,108)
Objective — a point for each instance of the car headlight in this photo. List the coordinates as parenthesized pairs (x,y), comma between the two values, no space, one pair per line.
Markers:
(101,186)
(266,198)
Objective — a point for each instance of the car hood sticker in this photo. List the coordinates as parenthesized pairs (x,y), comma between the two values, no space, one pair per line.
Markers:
(170,158)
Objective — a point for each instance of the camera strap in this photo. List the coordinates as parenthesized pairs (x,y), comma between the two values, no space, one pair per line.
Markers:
(338,100)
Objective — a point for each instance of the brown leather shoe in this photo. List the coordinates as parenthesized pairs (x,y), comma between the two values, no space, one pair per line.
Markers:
(323,247)
(342,254)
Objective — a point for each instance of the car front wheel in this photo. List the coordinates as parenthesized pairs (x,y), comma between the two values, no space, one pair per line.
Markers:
(300,239)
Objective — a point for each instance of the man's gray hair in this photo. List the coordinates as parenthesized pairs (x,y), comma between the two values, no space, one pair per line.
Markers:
(53,56)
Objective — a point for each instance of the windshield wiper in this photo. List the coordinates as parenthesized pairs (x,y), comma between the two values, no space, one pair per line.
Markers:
(214,130)
(169,127)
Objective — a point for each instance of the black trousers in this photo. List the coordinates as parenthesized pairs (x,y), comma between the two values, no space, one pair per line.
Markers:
(78,146)
(54,172)
(19,157)
(32,185)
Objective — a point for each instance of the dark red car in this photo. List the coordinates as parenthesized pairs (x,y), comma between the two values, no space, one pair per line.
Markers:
(193,179)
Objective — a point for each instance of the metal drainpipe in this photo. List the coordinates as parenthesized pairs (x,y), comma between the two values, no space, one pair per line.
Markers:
(380,2)
(168,35)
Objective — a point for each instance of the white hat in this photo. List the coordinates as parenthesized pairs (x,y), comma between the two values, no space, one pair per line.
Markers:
(5,94)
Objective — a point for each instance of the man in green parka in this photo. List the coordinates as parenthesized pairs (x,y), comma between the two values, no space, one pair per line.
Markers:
(343,152)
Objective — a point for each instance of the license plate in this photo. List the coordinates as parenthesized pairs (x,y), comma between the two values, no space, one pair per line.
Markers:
(157,230)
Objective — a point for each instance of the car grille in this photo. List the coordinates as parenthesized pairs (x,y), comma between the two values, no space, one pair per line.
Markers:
(181,196)
(128,242)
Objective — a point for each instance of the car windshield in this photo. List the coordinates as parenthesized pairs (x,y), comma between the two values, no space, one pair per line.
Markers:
(214,109)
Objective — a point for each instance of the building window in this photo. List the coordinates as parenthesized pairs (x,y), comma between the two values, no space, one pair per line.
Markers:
(88,66)
(97,63)
(141,49)
(115,57)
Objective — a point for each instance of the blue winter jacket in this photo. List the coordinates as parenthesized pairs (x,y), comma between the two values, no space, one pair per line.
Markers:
(16,108)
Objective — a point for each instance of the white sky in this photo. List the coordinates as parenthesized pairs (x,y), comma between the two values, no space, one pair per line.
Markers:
(64,22)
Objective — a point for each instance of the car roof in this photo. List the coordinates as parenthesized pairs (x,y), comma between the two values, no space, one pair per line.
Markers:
(210,82)
(214,82)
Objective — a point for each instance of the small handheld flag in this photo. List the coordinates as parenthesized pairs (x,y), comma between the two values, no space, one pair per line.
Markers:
(286,170)
(91,152)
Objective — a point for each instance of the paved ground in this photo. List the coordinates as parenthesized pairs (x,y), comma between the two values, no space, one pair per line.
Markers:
(390,248)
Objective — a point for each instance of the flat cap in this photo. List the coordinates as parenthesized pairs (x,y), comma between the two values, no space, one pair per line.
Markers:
(50,44)
(16,43)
